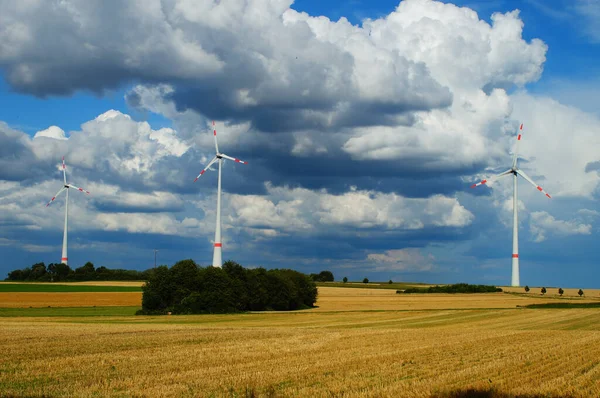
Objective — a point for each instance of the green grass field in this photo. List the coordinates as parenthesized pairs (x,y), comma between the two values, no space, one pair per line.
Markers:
(71,312)
(57,288)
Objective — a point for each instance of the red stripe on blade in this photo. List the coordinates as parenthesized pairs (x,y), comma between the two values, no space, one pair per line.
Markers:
(218,245)
(540,189)
(521,128)
(519,137)
(515,256)
(64,259)
(483,181)
(202,172)
(215,132)
(549,196)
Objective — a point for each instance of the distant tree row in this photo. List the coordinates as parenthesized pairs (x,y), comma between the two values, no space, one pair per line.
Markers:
(560,291)
(187,288)
(456,288)
(61,272)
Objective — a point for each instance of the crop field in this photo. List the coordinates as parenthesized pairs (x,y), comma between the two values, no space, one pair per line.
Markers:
(394,345)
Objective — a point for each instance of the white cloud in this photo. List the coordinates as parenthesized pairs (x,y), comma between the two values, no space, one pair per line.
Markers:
(297,209)
(52,132)
(542,224)
(558,145)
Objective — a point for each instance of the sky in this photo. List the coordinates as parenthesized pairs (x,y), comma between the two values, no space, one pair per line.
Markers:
(364,124)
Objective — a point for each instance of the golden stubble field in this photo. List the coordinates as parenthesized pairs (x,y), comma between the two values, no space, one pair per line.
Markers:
(339,349)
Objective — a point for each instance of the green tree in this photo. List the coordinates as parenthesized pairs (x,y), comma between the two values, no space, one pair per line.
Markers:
(390,282)
(38,271)
(527,289)
(326,276)
(62,271)
(345,280)
(580,292)
(560,291)
(543,290)
(366,280)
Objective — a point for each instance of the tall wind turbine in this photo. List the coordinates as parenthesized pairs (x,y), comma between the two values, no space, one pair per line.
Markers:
(64,259)
(217,258)
(515,171)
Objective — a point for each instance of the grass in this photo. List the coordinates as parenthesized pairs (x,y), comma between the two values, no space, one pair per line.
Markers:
(359,342)
(68,311)
(63,288)
(565,305)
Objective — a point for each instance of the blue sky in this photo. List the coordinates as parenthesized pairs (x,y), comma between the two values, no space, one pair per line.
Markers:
(362,138)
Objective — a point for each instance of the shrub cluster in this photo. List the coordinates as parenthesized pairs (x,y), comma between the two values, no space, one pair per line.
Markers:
(61,272)
(456,288)
(323,276)
(186,288)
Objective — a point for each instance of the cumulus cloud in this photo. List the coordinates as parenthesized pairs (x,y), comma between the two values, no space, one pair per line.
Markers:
(558,145)
(542,224)
(52,132)
(298,209)
(225,66)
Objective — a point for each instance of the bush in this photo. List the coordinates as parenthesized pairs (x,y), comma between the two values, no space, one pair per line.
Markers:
(560,291)
(323,276)
(366,280)
(390,282)
(186,288)
(345,280)
(580,292)
(543,290)
(527,289)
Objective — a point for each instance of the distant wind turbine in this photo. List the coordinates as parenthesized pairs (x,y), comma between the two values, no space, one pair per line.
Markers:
(515,171)
(64,259)
(217,258)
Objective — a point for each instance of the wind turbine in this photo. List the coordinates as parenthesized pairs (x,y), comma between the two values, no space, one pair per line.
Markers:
(515,171)
(217,258)
(64,259)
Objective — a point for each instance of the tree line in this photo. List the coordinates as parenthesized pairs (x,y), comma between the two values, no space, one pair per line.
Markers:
(456,288)
(187,288)
(60,272)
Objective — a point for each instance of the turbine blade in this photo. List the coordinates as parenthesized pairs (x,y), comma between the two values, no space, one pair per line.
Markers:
(516,152)
(56,196)
(215,135)
(77,188)
(492,178)
(234,159)
(64,170)
(526,177)
(206,168)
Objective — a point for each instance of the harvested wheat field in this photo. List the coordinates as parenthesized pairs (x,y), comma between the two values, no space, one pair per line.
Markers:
(74,299)
(85,283)
(348,299)
(339,349)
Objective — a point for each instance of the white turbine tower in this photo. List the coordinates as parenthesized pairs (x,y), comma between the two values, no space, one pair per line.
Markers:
(64,259)
(218,246)
(515,171)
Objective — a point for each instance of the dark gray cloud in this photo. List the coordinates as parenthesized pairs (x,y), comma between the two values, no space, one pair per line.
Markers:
(225,67)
